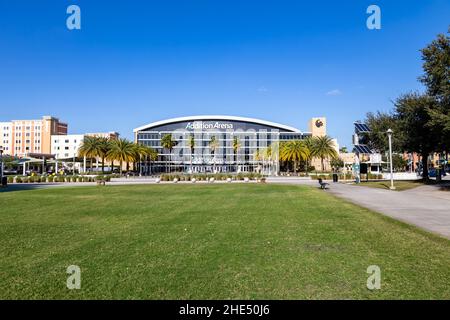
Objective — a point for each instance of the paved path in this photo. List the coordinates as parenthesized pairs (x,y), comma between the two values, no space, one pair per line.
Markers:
(425,207)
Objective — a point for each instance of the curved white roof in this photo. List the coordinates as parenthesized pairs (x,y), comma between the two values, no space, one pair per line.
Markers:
(217,117)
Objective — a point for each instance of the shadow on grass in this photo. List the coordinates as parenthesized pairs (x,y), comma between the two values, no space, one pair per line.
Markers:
(23,187)
(410,184)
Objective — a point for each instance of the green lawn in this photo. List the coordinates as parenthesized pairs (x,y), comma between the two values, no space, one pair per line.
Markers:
(239,241)
(399,185)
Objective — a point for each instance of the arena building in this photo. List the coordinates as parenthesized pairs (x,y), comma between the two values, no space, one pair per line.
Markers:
(212,143)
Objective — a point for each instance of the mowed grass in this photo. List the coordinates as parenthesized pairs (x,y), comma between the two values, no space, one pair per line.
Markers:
(240,241)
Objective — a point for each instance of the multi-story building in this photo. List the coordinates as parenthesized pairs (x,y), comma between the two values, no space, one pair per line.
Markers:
(67,146)
(22,137)
(239,143)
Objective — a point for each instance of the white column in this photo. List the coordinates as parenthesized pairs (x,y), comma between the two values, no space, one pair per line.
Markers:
(84,164)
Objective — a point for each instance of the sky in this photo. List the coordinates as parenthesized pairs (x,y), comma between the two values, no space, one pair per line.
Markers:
(135,62)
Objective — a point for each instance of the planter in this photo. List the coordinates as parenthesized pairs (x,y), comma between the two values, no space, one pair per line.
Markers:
(193,180)
(175,180)
(246,179)
(211,180)
(229,180)
(158,180)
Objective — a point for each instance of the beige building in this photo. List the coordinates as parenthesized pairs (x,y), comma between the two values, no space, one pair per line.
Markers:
(22,137)
(318,128)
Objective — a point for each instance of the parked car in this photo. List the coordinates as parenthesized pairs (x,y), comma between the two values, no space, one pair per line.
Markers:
(433,172)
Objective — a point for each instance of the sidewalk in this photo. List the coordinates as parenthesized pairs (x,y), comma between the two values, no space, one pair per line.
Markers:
(425,207)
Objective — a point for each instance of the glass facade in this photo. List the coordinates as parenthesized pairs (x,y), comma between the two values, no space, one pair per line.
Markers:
(219,145)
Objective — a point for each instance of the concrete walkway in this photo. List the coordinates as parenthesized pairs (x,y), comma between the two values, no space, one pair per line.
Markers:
(425,207)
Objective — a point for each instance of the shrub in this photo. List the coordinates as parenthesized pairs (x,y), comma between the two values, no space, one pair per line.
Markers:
(10,179)
(50,179)
(19,179)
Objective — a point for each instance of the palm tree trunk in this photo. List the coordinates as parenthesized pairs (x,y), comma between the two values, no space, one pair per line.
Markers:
(120,168)
(192,151)
(103,164)
(321,162)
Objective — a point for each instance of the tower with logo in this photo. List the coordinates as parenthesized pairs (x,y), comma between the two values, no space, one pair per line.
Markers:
(318,126)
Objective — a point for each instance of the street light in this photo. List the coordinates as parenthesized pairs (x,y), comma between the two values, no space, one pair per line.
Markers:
(389,132)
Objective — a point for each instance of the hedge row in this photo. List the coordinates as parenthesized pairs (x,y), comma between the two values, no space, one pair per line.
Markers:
(37,179)
(216,176)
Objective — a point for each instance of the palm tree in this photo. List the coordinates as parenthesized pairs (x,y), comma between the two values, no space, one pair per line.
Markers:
(143,152)
(295,151)
(152,156)
(236,147)
(267,156)
(323,147)
(103,148)
(213,145)
(90,148)
(309,142)
(192,147)
(257,156)
(123,151)
(168,143)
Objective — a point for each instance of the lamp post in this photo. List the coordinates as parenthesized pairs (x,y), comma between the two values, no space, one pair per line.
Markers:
(389,132)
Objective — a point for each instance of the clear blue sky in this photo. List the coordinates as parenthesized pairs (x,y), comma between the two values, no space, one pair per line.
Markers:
(134,62)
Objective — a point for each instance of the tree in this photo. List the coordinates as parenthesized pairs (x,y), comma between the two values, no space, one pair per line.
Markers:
(337,164)
(90,148)
(436,78)
(413,120)
(323,148)
(398,162)
(102,150)
(309,142)
(343,149)
(295,151)
(168,143)
(145,153)
(213,145)
(377,139)
(123,151)
(192,148)
(236,147)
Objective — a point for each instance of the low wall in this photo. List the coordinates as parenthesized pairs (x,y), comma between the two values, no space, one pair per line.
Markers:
(402,176)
